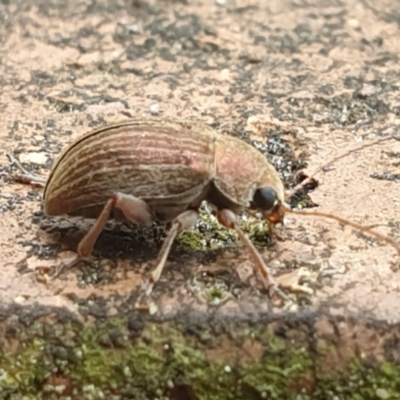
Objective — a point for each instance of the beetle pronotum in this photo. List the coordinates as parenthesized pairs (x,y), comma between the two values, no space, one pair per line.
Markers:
(153,170)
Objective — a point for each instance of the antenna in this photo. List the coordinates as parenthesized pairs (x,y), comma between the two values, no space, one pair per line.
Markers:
(336,158)
(344,221)
(341,220)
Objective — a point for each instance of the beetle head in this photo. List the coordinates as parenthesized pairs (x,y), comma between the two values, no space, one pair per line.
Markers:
(267,201)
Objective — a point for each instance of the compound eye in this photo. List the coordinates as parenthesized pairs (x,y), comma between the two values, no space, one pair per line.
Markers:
(265,199)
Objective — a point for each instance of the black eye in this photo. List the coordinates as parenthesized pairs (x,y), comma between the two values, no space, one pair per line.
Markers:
(265,199)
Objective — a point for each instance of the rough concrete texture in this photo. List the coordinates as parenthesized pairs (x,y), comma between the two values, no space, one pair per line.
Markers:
(303,82)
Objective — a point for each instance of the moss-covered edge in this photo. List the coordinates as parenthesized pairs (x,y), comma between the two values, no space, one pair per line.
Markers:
(133,358)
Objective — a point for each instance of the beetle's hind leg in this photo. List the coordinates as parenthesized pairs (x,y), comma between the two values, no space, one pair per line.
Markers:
(133,208)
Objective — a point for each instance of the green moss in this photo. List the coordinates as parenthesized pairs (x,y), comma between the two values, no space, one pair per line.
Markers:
(192,239)
(258,231)
(210,234)
(165,361)
(362,381)
(217,293)
(22,370)
(279,375)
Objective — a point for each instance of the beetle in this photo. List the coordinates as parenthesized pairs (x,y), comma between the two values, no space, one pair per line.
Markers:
(148,170)
(162,170)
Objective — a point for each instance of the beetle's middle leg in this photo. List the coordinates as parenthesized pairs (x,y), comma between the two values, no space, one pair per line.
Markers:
(228,219)
(183,221)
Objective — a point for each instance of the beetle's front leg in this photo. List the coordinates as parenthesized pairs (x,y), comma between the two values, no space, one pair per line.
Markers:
(228,219)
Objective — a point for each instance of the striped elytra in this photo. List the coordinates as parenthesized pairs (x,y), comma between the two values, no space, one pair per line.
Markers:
(171,165)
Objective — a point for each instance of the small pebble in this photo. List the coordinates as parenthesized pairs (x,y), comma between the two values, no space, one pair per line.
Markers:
(34,158)
(155,109)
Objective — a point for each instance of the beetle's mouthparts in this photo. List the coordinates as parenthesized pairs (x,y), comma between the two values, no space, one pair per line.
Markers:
(277,214)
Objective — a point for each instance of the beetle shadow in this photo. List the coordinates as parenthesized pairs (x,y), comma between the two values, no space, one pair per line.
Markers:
(121,242)
(118,240)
